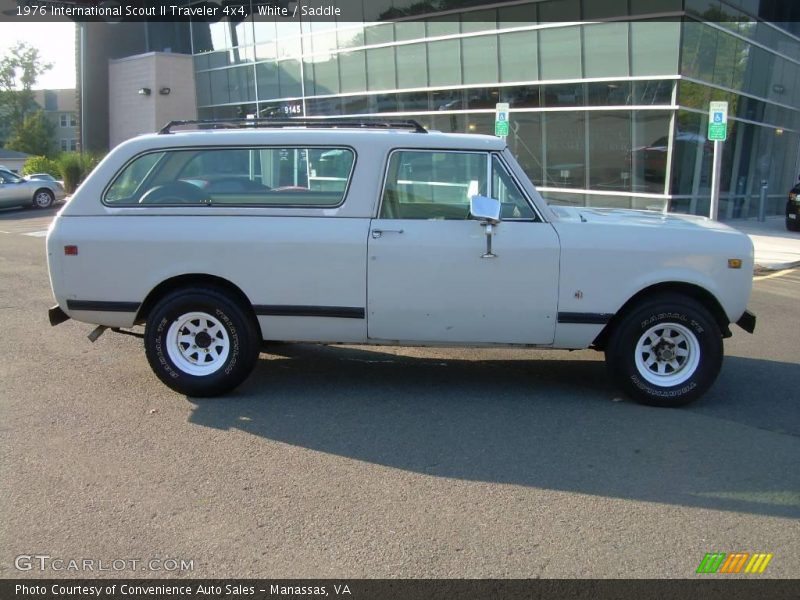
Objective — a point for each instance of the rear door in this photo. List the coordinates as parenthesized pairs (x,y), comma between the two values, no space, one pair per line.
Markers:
(428,279)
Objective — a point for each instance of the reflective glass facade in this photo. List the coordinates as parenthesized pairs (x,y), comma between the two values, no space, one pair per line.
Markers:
(608,98)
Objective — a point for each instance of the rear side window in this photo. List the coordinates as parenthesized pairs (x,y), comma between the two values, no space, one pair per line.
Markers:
(314,177)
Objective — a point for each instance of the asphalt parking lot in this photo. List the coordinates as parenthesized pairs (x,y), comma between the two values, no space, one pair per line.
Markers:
(374,462)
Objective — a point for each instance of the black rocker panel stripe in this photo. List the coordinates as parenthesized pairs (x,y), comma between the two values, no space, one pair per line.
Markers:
(584,318)
(276,310)
(290,310)
(102,305)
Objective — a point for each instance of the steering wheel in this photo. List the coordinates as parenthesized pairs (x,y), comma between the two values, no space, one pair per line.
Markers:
(177,192)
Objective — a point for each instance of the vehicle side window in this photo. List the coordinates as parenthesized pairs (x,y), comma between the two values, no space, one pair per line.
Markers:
(9,177)
(236,176)
(125,186)
(432,185)
(514,205)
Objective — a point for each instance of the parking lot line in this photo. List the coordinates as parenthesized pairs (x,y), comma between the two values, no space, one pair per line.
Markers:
(772,275)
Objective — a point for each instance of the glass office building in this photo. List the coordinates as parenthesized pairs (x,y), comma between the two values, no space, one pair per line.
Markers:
(609,98)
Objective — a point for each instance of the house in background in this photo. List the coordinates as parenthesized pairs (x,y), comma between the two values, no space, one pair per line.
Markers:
(61,108)
(12,160)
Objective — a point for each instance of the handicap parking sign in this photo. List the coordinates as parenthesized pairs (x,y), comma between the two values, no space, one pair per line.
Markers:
(501,119)
(718,121)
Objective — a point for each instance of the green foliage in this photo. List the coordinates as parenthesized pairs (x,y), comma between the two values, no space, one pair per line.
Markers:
(34,136)
(41,164)
(76,166)
(90,161)
(20,69)
(72,166)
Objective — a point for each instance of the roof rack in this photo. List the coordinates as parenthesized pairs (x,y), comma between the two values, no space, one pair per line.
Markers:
(299,122)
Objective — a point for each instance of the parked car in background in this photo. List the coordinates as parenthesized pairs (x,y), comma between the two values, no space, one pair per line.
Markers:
(43,177)
(18,191)
(793,209)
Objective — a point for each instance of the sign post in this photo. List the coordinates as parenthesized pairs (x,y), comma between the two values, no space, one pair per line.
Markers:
(501,120)
(717,133)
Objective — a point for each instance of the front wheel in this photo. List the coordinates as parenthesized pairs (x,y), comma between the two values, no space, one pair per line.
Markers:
(200,342)
(666,352)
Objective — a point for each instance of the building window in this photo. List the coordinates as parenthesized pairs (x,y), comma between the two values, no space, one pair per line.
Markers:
(565,149)
(73,120)
(63,119)
(73,145)
(64,145)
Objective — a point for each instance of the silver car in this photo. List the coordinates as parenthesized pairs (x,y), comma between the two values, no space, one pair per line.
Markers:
(16,191)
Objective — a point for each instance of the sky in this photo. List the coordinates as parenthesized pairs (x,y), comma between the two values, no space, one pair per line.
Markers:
(56,44)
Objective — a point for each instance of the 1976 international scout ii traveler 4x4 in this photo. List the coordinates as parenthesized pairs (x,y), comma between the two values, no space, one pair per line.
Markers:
(383,233)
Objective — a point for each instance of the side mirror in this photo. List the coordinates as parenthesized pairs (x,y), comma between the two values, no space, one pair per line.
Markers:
(484,208)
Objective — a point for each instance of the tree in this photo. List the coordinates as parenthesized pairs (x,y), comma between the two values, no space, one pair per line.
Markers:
(34,136)
(20,69)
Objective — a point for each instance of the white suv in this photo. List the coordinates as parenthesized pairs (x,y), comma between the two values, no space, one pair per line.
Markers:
(383,233)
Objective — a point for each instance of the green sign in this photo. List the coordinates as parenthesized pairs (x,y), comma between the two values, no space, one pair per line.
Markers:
(717,131)
(718,121)
(501,119)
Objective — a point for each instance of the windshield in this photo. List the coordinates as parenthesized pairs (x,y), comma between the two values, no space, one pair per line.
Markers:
(9,177)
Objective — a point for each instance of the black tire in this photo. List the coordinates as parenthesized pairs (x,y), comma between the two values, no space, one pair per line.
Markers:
(792,225)
(43,198)
(696,350)
(232,326)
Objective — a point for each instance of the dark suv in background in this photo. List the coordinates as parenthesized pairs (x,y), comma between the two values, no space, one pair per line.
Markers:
(793,209)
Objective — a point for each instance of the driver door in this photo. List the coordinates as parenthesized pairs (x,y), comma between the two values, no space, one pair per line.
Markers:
(427,278)
(8,190)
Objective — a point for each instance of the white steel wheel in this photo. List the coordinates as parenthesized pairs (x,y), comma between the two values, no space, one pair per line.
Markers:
(198,343)
(665,351)
(201,341)
(667,354)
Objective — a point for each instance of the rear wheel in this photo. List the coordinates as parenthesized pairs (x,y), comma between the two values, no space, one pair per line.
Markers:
(792,225)
(43,198)
(201,342)
(666,352)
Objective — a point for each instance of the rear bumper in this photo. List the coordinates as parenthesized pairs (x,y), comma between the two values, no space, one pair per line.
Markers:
(747,322)
(57,316)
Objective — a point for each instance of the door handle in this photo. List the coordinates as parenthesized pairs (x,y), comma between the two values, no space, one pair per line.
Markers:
(376,233)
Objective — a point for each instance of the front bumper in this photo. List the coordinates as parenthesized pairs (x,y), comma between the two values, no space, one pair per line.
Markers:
(793,210)
(747,322)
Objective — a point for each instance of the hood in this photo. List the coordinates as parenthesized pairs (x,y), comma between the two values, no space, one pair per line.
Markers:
(638,218)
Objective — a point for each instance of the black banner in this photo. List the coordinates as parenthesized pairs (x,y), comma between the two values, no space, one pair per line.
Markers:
(343,11)
(405,589)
